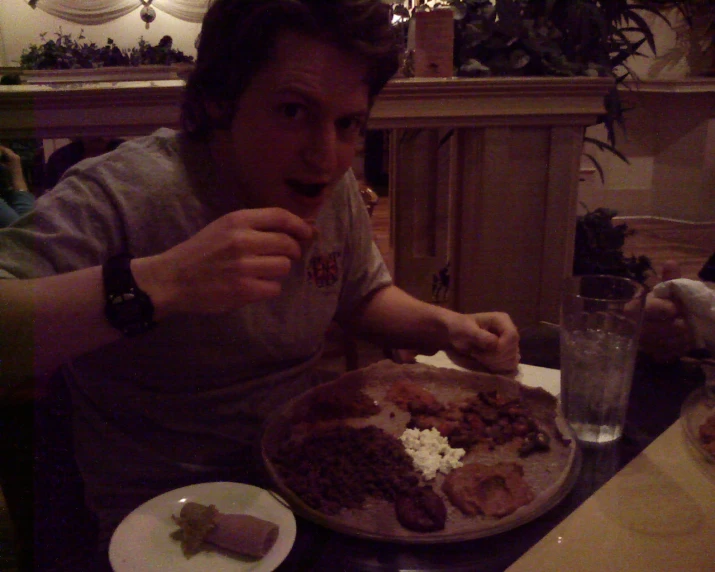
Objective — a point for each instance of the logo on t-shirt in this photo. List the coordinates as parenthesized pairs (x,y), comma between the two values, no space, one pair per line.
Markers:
(323,269)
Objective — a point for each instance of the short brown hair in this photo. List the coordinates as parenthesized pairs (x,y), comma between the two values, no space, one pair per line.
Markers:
(238,37)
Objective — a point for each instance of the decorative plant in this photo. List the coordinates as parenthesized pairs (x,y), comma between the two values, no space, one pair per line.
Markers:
(695,35)
(66,52)
(704,12)
(599,248)
(564,38)
(163,53)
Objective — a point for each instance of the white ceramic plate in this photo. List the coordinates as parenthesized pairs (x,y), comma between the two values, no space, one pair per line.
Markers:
(696,409)
(142,542)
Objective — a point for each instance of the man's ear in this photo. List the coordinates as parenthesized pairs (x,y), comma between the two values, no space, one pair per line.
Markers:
(220,113)
(216,109)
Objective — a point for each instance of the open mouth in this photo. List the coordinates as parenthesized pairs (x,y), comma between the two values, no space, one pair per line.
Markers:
(310,190)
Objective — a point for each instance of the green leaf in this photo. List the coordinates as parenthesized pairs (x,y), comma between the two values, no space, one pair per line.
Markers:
(604,146)
(596,164)
(643,28)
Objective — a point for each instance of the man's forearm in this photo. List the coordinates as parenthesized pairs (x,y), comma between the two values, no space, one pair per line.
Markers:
(391,317)
(46,321)
(18,181)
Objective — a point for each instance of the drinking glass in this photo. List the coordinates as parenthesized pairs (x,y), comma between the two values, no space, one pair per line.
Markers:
(600,325)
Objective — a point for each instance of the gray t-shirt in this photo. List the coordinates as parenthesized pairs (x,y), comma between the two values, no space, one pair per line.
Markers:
(194,389)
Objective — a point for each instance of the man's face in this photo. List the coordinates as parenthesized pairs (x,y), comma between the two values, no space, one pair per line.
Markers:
(296,127)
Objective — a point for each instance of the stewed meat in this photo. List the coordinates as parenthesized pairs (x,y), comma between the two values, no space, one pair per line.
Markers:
(492,490)
(341,466)
(421,509)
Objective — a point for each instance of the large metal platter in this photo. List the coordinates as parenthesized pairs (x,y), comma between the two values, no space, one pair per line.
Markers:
(550,474)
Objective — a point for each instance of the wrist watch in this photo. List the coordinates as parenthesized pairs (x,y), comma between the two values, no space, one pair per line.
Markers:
(127,308)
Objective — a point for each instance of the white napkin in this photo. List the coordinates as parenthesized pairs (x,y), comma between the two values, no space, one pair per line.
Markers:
(698,303)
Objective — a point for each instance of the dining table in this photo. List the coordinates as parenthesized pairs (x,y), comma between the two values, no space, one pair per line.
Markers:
(645,503)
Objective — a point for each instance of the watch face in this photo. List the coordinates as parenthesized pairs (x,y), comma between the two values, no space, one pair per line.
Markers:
(128,311)
(128,308)
(131,313)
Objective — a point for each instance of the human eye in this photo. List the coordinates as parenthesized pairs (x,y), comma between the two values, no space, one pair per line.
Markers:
(293,110)
(351,125)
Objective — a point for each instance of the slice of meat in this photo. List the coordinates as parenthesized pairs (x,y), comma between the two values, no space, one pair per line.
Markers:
(330,404)
(411,397)
(421,509)
(492,490)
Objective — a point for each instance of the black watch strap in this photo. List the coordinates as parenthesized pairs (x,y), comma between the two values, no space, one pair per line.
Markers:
(128,308)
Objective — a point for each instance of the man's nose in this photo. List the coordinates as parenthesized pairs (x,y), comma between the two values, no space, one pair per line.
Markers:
(321,150)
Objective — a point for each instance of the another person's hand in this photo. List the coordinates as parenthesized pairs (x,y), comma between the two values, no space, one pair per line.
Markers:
(13,163)
(238,259)
(10,159)
(490,338)
(665,335)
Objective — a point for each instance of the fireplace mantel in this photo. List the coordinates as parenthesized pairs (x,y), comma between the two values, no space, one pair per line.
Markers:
(497,201)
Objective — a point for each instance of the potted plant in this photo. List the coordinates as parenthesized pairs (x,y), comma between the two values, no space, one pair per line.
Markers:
(599,248)
(564,38)
(558,38)
(50,60)
(694,24)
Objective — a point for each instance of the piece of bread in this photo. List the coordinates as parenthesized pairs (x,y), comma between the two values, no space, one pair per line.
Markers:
(240,533)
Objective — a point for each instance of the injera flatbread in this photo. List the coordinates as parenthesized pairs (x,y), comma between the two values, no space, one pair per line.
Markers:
(550,474)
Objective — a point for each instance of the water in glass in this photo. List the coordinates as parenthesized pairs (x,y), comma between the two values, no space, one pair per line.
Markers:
(596,373)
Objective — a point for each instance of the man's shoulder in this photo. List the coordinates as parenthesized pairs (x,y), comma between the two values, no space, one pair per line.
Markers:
(139,160)
(140,172)
(163,144)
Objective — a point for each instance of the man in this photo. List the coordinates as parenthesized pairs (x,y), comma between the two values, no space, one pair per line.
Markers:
(248,237)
